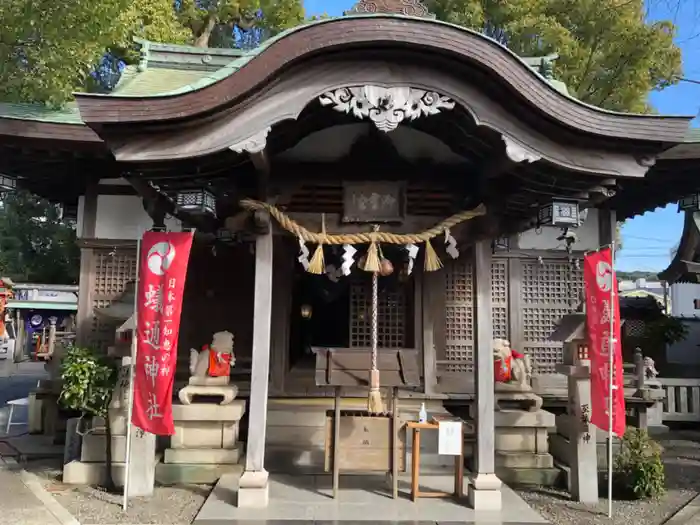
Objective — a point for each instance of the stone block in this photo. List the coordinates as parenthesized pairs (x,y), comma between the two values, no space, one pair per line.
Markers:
(183,474)
(509,439)
(204,434)
(93,449)
(118,421)
(209,411)
(34,419)
(253,490)
(209,381)
(539,477)
(207,456)
(520,418)
(227,393)
(524,460)
(81,473)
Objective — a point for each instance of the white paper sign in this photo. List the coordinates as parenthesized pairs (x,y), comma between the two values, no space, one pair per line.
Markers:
(450,438)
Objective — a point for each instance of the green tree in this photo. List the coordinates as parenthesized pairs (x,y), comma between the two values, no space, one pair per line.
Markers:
(48,49)
(213,22)
(36,245)
(609,55)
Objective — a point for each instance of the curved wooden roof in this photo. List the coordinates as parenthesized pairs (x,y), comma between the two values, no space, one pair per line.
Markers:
(238,82)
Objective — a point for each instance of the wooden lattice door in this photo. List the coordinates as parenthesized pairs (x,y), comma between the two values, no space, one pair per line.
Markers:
(550,289)
(392,316)
(111,270)
(455,347)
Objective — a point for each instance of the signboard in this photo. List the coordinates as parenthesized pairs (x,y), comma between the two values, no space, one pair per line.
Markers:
(603,324)
(374,202)
(162,272)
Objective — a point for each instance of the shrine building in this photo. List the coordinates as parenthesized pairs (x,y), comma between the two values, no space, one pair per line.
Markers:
(340,125)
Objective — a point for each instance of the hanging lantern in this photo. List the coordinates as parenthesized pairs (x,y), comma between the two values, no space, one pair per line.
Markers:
(7,183)
(199,201)
(501,244)
(559,214)
(689,203)
(306,311)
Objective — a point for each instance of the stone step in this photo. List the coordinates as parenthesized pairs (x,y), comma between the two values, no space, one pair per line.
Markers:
(543,477)
(205,456)
(524,460)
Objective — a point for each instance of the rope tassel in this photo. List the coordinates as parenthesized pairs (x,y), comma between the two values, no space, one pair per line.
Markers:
(432,261)
(317,265)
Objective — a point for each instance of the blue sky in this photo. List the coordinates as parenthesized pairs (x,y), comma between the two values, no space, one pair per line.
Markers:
(647,240)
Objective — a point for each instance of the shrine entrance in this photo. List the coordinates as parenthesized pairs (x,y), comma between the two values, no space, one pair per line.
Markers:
(333,311)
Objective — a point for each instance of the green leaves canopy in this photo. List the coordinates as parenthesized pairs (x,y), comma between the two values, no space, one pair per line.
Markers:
(609,55)
(88,382)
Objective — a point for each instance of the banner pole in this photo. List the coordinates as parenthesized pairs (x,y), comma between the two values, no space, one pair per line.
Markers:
(132,365)
(611,376)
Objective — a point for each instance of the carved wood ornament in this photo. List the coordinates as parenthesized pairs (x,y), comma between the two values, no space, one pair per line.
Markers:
(396,7)
(386,107)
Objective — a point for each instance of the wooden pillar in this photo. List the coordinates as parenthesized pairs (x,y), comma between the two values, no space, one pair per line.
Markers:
(607,226)
(253,489)
(484,487)
(86,284)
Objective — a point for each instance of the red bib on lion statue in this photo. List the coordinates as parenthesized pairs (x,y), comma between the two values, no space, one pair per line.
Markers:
(502,369)
(219,363)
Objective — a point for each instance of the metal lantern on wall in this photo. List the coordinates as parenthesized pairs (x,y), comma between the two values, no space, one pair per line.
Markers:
(561,214)
(689,203)
(199,201)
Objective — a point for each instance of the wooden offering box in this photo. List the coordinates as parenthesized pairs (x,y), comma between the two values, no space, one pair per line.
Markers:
(365,442)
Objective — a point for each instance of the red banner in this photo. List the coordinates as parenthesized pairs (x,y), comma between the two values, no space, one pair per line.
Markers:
(162,272)
(603,323)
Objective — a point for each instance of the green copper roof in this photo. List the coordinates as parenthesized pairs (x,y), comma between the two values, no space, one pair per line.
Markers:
(39,112)
(153,81)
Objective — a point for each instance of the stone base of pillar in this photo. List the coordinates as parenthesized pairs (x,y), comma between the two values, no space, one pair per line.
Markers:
(254,490)
(484,493)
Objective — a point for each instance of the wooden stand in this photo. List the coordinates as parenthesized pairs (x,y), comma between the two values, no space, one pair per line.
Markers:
(371,459)
(360,441)
(415,463)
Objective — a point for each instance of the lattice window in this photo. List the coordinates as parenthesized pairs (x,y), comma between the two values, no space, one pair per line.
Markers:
(459,315)
(391,325)
(499,298)
(111,271)
(550,290)
(634,328)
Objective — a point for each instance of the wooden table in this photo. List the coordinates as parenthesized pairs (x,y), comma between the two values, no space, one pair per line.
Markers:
(415,463)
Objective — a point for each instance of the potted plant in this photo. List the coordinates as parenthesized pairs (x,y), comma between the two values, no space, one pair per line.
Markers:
(89,380)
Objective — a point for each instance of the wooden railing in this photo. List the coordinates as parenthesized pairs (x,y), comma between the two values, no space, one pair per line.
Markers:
(682,401)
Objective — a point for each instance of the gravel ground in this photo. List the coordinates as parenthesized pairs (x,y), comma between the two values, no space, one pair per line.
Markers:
(682,462)
(90,506)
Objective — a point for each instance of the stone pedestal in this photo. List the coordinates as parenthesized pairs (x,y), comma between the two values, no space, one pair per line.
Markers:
(205,442)
(522,447)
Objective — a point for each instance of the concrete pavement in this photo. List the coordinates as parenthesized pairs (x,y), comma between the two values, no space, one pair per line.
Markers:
(24,502)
